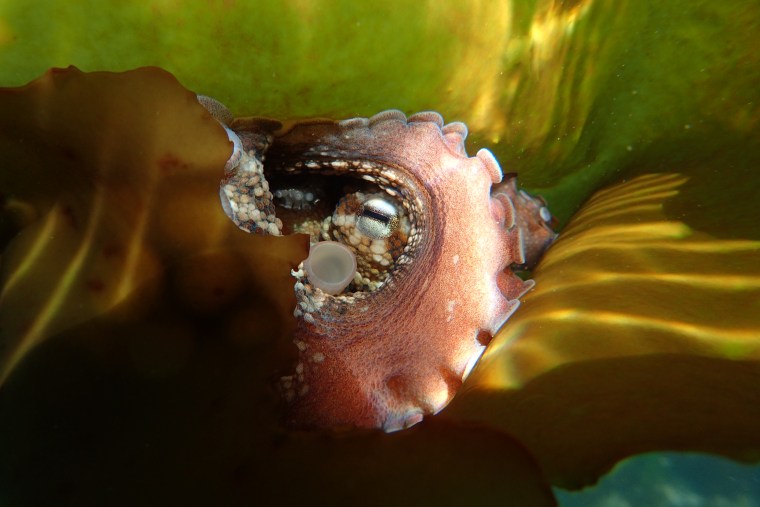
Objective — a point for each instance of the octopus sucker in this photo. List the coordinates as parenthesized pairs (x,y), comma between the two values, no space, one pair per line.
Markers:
(457,129)
(455,134)
(533,219)
(491,165)
(389,115)
(427,117)
(418,247)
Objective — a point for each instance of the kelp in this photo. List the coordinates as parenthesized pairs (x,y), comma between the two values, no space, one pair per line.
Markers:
(642,334)
(116,174)
(566,93)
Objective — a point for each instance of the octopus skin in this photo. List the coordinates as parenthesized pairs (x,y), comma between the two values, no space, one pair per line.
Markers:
(435,283)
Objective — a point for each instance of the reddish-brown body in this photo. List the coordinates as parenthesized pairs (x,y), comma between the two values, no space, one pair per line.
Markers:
(385,358)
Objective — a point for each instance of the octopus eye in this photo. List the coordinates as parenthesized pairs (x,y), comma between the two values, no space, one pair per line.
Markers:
(377,218)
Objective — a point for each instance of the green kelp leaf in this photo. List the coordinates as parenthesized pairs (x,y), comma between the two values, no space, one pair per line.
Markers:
(591,86)
(566,93)
(143,333)
(277,58)
(642,333)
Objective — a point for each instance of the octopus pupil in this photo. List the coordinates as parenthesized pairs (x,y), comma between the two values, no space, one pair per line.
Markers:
(376,216)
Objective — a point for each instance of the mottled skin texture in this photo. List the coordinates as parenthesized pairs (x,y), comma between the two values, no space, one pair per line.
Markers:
(533,219)
(385,358)
(402,352)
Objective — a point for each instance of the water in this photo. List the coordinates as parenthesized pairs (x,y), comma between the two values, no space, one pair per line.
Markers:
(672,480)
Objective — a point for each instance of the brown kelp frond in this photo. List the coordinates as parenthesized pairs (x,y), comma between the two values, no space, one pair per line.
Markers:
(119,173)
(641,334)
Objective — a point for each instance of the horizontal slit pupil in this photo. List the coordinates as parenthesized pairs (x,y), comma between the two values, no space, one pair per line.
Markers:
(376,216)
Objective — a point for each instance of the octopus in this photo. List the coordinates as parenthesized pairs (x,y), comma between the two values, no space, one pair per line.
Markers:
(415,250)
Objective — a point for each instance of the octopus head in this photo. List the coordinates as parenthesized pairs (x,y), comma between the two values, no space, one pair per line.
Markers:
(409,272)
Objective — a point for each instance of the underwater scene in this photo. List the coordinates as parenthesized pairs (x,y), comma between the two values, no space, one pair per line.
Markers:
(381,253)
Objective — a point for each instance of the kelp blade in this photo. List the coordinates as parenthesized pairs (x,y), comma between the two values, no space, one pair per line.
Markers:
(641,334)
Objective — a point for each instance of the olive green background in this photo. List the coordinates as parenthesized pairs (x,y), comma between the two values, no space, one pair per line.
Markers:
(567,93)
